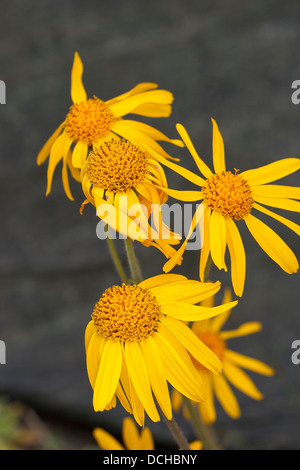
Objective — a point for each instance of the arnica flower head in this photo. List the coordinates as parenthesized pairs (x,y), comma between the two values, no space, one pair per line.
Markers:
(117,178)
(230,197)
(138,341)
(91,121)
(132,438)
(210,333)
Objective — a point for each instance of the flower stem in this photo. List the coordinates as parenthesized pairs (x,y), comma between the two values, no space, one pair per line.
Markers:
(133,262)
(114,255)
(205,433)
(177,433)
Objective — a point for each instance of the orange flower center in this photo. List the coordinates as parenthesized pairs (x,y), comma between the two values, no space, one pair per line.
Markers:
(88,121)
(126,313)
(215,344)
(228,194)
(116,166)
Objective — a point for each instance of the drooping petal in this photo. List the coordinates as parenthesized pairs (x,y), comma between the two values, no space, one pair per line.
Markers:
(78,92)
(156,375)
(196,348)
(79,154)
(218,322)
(44,152)
(58,151)
(108,374)
(153,133)
(205,250)
(237,256)
(140,379)
(207,407)
(241,380)
(179,369)
(93,354)
(226,396)
(272,244)
(218,239)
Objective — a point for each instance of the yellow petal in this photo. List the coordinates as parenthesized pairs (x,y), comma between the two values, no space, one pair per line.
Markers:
(218,149)
(106,441)
(205,250)
(241,380)
(272,171)
(153,133)
(291,225)
(190,176)
(59,150)
(237,256)
(286,204)
(179,369)
(160,279)
(128,105)
(156,375)
(272,244)
(218,239)
(244,330)
(44,152)
(108,374)
(140,378)
(78,92)
(186,312)
(191,342)
(226,396)
(203,168)
(93,354)
(79,154)
(248,363)
(207,407)
(139,88)
(276,190)
(130,434)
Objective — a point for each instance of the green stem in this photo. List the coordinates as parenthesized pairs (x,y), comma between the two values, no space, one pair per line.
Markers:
(115,257)
(133,262)
(177,433)
(205,433)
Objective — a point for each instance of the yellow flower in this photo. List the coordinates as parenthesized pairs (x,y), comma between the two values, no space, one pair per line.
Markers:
(209,332)
(132,439)
(117,179)
(91,121)
(138,341)
(229,197)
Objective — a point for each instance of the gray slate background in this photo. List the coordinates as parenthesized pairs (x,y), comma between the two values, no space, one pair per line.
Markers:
(230,60)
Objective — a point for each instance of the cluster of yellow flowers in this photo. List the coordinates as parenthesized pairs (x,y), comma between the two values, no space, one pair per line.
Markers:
(158,343)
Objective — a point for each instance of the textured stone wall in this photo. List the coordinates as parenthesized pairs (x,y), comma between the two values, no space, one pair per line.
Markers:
(232,60)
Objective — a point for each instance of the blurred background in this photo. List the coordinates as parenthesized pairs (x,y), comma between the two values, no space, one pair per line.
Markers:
(235,62)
